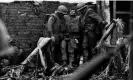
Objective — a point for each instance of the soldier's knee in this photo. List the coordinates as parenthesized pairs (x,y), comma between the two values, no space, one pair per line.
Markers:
(63,44)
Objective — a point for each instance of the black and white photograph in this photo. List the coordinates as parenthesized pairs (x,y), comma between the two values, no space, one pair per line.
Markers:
(66,40)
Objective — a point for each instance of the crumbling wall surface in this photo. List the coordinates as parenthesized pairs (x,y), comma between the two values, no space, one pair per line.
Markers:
(26,21)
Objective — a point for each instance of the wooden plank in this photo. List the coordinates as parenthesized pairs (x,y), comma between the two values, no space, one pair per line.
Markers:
(131,53)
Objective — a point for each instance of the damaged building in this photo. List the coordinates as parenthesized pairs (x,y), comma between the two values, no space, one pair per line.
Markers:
(26,23)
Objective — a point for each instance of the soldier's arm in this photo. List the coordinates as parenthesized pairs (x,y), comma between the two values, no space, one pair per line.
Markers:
(50,25)
(50,28)
(94,15)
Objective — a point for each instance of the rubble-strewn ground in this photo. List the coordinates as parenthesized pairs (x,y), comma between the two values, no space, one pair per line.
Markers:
(115,76)
(95,77)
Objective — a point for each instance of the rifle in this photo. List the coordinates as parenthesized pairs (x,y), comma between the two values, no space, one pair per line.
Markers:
(109,30)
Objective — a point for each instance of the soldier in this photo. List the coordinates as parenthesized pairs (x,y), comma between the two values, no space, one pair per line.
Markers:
(91,30)
(56,26)
(73,29)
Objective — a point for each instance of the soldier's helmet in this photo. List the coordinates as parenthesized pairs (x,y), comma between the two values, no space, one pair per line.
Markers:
(62,9)
(80,6)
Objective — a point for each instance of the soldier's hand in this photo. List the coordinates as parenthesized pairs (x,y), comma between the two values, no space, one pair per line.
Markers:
(53,38)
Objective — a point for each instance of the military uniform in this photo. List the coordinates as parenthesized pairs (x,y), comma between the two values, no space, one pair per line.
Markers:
(90,23)
(73,30)
(57,29)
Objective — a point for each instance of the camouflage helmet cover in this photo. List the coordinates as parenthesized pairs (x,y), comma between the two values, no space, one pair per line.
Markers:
(62,9)
(80,6)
